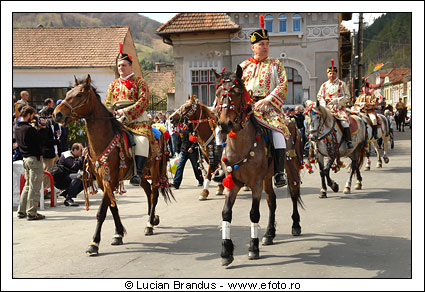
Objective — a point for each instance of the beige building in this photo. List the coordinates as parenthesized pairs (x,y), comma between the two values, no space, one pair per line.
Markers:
(304,42)
(393,85)
(45,59)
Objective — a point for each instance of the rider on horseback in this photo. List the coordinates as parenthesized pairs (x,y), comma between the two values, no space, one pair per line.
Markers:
(367,103)
(334,95)
(265,77)
(127,97)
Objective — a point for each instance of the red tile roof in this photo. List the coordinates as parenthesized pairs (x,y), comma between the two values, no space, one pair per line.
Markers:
(160,83)
(67,46)
(343,29)
(193,22)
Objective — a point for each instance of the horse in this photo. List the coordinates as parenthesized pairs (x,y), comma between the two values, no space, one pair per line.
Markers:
(246,160)
(382,133)
(327,140)
(400,118)
(109,159)
(195,112)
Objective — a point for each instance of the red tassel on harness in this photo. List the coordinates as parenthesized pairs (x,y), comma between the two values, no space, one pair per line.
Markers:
(262,22)
(120,43)
(166,135)
(193,139)
(228,181)
(222,70)
(232,134)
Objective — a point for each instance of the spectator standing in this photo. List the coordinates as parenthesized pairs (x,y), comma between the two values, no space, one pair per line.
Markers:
(188,150)
(30,143)
(69,178)
(300,120)
(50,141)
(48,103)
(172,143)
(22,102)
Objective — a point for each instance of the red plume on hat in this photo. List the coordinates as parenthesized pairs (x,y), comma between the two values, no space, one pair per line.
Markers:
(120,43)
(262,22)
(332,62)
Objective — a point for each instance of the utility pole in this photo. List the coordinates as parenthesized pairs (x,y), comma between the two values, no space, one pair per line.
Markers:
(360,52)
(353,62)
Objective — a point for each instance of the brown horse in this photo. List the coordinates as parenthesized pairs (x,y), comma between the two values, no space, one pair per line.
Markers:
(195,112)
(110,160)
(247,160)
(400,118)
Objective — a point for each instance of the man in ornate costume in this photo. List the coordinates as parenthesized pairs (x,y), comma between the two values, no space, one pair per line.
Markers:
(128,98)
(265,78)
(367,102)
(334,95)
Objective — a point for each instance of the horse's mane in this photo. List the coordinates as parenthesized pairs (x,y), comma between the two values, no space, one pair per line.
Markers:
(117,127)
(326,115)
(205,108)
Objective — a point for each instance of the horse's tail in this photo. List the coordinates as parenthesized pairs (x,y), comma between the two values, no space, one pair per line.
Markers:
(363,148)
(294,172)
(164,185)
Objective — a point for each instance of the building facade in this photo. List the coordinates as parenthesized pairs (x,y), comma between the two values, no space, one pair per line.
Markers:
(304,42)
(45,60)
(393,85)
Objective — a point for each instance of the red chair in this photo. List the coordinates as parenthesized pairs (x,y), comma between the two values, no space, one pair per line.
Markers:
(52,188)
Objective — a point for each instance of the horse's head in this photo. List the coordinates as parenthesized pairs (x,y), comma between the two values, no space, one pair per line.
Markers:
(188,111)
(77,103)
(230,100)
(317,117)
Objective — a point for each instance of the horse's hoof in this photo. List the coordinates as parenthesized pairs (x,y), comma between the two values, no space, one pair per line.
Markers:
(202,198)
(347,190)
(322,196)
(379,165)
(148,231)
(117,241)
(386,159)
(358,186)
(155,220)
(367,168)
(226,261)
(296,231)
(92,250)
(267,240)
(219,191)
(254,255)
(335,187)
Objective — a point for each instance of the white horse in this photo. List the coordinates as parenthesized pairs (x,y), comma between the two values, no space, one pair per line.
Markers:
(327,140)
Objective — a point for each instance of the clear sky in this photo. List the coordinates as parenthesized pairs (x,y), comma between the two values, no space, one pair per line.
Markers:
(160,17)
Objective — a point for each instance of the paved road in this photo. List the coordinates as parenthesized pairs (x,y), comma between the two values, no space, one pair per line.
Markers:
(366,234)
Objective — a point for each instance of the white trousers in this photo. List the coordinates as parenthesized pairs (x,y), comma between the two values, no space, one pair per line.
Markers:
(142,146)
(279,141)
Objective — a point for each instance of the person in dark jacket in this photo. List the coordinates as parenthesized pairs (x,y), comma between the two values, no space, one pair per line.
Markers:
(50,142)
(300,120)
(188,148)
(71,162)
(29,143)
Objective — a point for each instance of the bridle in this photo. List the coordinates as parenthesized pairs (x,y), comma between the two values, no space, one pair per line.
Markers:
(322,123)
(225,101)
(80,104)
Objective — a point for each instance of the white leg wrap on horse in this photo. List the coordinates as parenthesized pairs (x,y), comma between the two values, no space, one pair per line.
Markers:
(254,230)
(226,230)
(206,184)
(149,224)
(279,141)
(218,137)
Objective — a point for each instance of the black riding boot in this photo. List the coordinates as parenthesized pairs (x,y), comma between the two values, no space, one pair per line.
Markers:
(218,175)
(279,168)
(347,137)
(375,132)
(140,165)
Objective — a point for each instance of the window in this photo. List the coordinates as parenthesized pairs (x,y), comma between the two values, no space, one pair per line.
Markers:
(282,23)
(295,90)
(203,86)
(268,21)
(296,22)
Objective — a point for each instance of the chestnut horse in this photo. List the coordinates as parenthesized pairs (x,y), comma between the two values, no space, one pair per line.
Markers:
(247,160)
(195,112)
(110,160)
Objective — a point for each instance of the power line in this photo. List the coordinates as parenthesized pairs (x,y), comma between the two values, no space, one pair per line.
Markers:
(386,42)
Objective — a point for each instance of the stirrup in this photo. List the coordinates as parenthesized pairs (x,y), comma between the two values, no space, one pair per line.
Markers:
(280,180)
(135,180)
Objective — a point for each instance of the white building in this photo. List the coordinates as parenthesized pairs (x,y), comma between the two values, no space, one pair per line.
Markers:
(305,42)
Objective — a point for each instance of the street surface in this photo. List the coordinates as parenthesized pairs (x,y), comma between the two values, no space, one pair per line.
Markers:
(366,234)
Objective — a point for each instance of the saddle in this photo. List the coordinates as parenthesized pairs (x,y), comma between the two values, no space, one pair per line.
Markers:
(354,126)
(369,121)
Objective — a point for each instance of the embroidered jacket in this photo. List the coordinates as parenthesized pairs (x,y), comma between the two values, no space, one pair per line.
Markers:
(132,96)
(367,103)
(335,96)
(267,79)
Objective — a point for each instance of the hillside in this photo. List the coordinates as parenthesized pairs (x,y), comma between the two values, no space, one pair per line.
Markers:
(389,39)
(149,46)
